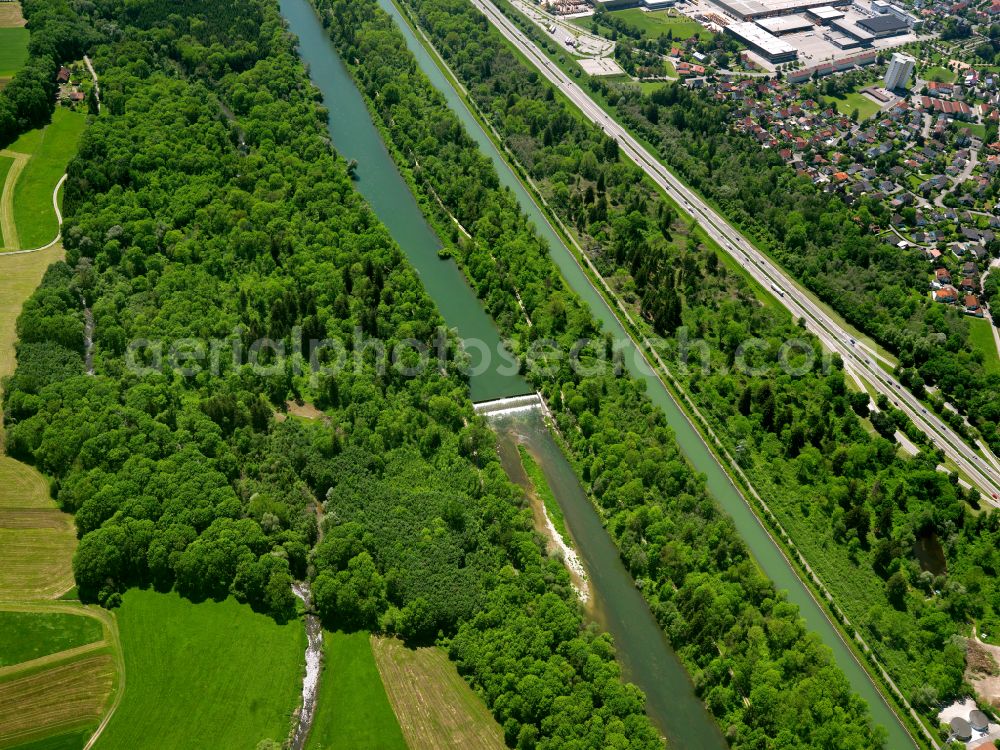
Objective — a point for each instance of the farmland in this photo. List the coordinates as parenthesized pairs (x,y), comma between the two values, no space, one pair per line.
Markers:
(353,710)
(66,673)
(435,706)
(31,635)
(177,653)
(65,696)
(50,150)
(13,50)
(11,16)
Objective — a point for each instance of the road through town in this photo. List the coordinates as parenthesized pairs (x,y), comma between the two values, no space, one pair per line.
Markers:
(856,356)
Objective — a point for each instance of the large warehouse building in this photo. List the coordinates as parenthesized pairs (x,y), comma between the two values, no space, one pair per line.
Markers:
(763,43)
(882,26)
(750,10)
(785,24)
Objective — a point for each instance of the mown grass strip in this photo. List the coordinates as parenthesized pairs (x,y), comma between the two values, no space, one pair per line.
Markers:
(353,710)
(435,706)
(33,213)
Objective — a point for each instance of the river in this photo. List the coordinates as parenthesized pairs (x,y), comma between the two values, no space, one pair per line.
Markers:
(355,137)
(377,179)
(765,551)
(643,650)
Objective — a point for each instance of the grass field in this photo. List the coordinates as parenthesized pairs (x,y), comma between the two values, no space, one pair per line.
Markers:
(57,143)
(657,23)
(981,338)
(68,741)
(939,74)
(436,708)
(13,50)
(37,540)
(31,635)
(50,699)
(652,24)
(207,675)
(544,492)
(6,163)
(849,102)
(353,710)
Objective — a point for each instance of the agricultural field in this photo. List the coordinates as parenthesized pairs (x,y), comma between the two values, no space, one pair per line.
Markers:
(209,674)
(11,16)
(13,44)
(353,710)
(66,696)
(65,676)
(13,50)
(37,540)
(51,149)
(32,635)
(436,708)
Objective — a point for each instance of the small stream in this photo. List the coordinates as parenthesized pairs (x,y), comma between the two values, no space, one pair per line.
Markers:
(314,659)
(88,338)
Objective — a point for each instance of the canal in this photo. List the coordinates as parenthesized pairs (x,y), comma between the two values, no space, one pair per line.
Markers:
(377,179)
(766,552)
(646,659)
(646,656)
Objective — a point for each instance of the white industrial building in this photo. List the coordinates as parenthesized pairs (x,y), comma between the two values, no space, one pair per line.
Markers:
(760,41)
(900,69)
(785,24)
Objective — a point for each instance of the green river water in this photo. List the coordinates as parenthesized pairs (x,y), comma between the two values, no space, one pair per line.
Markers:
(643,650)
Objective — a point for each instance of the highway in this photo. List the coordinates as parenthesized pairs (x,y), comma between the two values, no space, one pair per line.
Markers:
(856,356)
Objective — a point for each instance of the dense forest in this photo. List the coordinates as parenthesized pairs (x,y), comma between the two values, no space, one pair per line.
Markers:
(828,465)
(57,35)
(206,203)
(760,672)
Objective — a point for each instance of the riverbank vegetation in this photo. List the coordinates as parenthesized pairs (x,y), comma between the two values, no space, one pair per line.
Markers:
(205,202)
(534,473)
(858,510)
(733,631)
